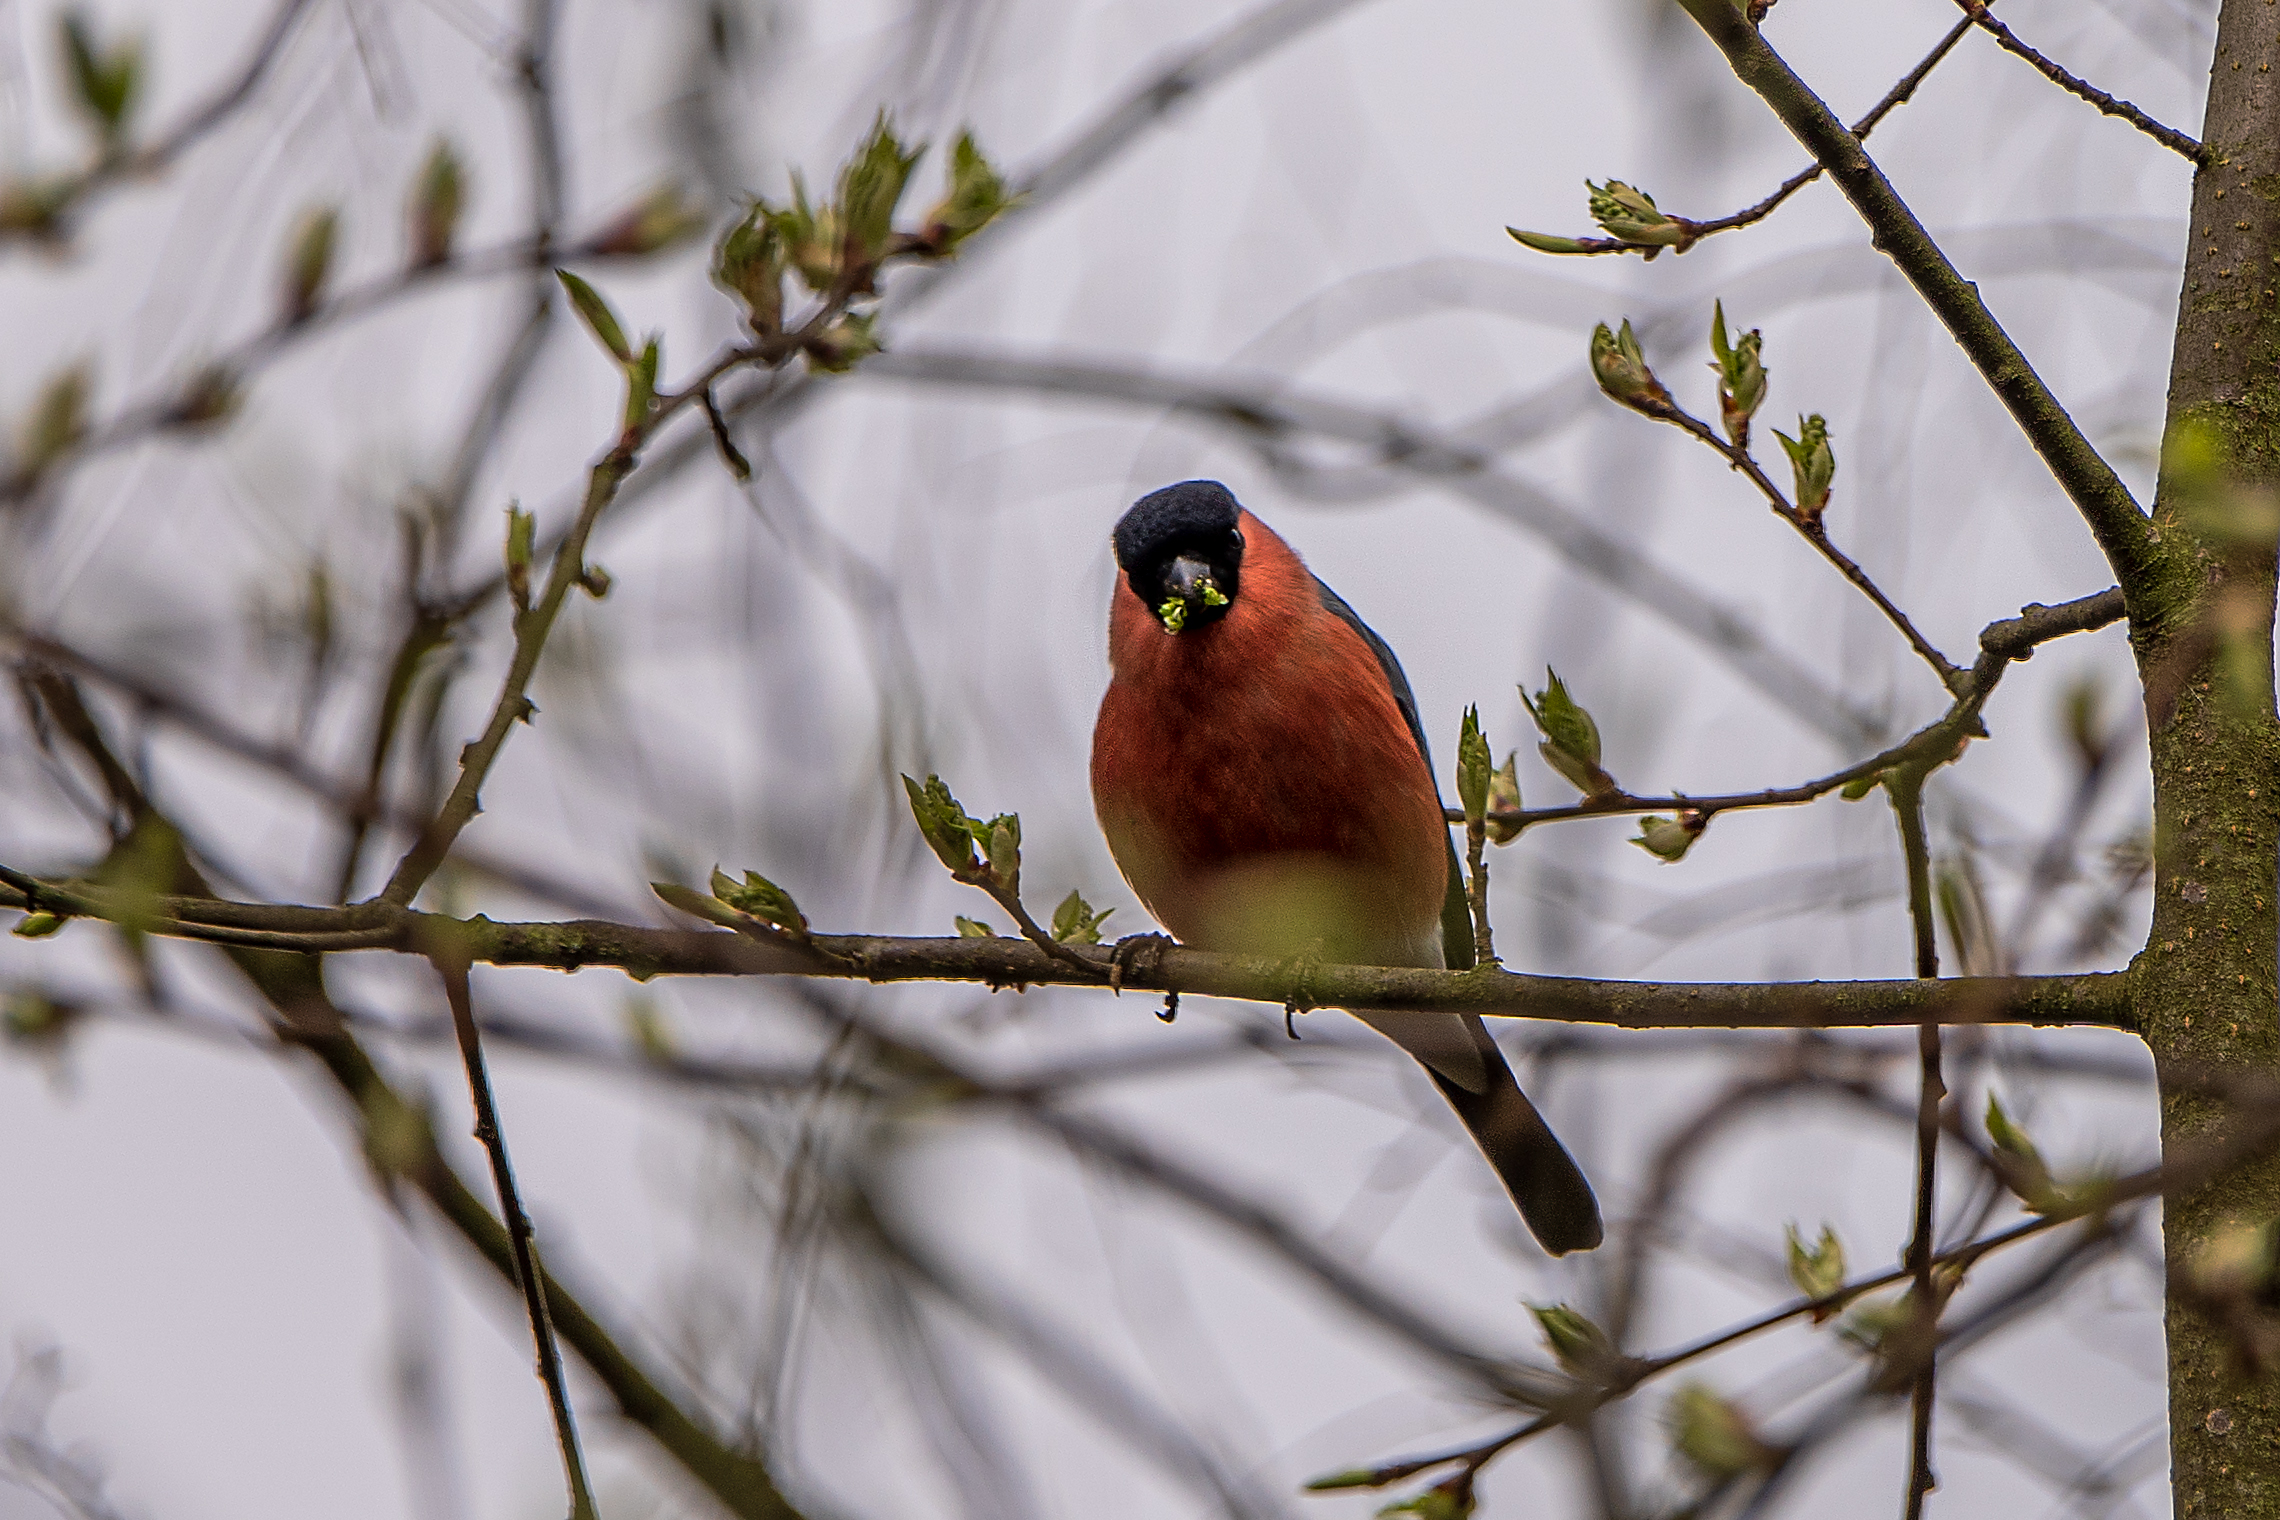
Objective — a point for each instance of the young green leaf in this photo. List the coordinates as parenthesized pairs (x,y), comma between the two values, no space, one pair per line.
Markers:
(761,898)
(949,832)
(1548,242)
(596,314)
(38,925)
(2020,1163)
(972,928)
(1451,1500)
(1819,1272)
(748,262)
(1077,922)
(1000,840)
(975,197)
(1571,738)
(870,187)
(1861,786)
(844,344)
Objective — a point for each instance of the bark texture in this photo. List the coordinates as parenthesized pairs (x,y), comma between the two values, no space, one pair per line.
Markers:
(2201,625)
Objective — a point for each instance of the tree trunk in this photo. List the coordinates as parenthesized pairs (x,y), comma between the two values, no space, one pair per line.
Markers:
(2202,631)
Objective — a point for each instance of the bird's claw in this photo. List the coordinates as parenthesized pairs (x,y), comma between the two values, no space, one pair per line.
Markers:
(1129,949)
(1300,968)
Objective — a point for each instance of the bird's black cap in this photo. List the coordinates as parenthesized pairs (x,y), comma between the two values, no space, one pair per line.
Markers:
(1194,512)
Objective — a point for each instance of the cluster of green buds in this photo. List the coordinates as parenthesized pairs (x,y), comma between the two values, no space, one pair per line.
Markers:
(439,195)
(1077,922)
(1571,739)
(1819,1272)
(1813,463)
(1668,839)
(1621,369)
(1741,376)
(837,248)
(955,837)
(1631,215)
(106,79)
(308,263)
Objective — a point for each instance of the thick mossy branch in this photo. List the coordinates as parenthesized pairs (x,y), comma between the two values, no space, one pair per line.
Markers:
(2105,503)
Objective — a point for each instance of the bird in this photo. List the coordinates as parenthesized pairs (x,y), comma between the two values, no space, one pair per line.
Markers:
(1264,785)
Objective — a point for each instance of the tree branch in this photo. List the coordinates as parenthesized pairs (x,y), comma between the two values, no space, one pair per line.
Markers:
(2169,137)
(2121,528)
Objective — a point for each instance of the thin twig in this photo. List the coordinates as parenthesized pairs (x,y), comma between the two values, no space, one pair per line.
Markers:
(1907,793)
(119,163)
(1695,231)
(452,968)
(2114,517)
(2169,137)
(1813,530)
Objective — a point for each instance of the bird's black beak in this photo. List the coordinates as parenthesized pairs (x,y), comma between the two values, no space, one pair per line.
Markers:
(1190,586)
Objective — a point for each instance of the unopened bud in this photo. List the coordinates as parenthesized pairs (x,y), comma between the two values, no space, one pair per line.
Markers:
(1622,371)
(1668,839)
(438,196)
(1741,376)
(662,217)
(1504,797)
(522,533)
(1813,463)
(308,262)
(1714,1435)
(748,262)
(843,345)
(1571,738)
(1581,1346)
(1819,1272)
(1631,214)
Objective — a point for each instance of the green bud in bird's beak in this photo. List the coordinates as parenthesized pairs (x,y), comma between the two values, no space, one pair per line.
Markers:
(1191,584)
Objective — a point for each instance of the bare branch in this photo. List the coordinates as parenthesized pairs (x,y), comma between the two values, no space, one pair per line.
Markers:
(2169,137)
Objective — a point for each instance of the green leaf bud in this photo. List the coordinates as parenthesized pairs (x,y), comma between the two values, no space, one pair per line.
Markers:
(105,81)
(843,345)
(1000,840)
(1715,1436)
(748,262)
(1621,369)
(1474,768)
(1741,376)
(1504,797)
(439,195)
(973,928)
(2020,1163)
(1813,463)
(522,539)
(663,216)
(38,925)
(57,420)
(211,394)
(1579,1345)
(1668,839)
(308,262)
(1352,1477)
(1819,1272)
(1861,786)
(1631,214)
(641,381)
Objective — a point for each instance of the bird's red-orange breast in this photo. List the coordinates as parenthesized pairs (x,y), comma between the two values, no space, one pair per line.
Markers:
(1257,781)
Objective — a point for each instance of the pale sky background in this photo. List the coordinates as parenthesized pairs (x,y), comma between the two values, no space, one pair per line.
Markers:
(190,1222)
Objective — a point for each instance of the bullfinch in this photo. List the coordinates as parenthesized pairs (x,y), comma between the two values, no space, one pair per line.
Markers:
(1264,784)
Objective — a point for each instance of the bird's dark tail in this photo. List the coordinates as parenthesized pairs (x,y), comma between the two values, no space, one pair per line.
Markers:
(1536,1169)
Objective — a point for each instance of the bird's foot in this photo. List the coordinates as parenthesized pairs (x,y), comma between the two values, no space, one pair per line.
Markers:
(1301,969)
(1128,950)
